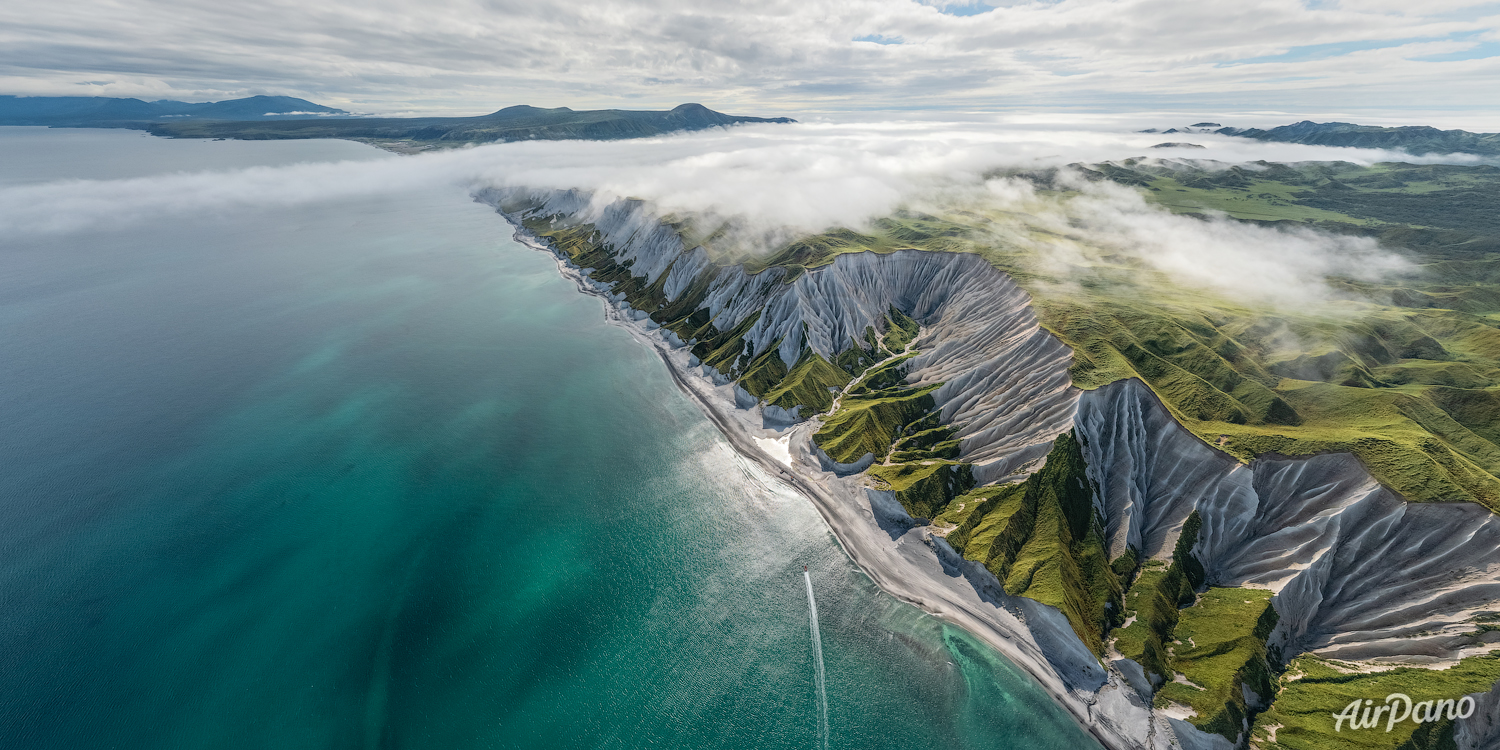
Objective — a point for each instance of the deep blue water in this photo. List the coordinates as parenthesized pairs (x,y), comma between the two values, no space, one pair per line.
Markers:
(366,473)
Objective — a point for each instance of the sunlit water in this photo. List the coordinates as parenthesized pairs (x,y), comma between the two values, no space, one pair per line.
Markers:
(369,474)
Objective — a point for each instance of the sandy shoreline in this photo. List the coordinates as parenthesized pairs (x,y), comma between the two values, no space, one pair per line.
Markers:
(903,559)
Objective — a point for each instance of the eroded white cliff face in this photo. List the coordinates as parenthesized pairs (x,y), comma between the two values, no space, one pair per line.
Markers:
(1359,573)
(1006,389)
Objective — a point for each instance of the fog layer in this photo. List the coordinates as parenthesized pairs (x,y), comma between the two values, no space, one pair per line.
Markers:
(791,179)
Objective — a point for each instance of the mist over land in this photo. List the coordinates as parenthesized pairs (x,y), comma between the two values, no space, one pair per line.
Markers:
(775,182)
(802,177)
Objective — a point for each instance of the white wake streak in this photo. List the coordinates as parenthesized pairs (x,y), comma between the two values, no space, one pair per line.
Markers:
(817,642)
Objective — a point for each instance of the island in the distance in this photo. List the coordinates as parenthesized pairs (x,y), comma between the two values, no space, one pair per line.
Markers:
(282,117)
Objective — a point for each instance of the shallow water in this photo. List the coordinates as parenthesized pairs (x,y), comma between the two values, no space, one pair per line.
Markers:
(366,473)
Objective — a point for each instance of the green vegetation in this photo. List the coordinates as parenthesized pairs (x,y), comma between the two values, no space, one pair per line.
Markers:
(880,414)
(925,489)
(932,444)
(1151,611)
(901,331)
(871,422)
(1042,539)
(1422,426)
(1376,198)
(1154,599)
(1407,380)
(1220,651)
(811,382)
(819,250)
(1405,375)
(1201,651)
(982,514)
(1313,690)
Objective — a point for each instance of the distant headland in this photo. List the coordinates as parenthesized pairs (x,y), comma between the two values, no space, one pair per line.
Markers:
(284,117)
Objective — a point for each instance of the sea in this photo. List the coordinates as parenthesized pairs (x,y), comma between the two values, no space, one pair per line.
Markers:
(365,472)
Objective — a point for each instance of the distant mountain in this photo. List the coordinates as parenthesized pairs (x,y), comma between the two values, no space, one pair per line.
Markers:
(1415,140)
(99,111)
(1195,129)
(516,123)
(257,107)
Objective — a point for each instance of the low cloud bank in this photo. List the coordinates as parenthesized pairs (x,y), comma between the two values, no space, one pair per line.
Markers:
(1106,223)
(774,179)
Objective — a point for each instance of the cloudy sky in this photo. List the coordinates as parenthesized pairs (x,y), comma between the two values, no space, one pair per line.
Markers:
(772,56)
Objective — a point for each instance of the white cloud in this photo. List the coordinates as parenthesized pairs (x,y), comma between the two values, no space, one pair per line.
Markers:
(808,176)
(472,56)
(1283,267)
(805,178)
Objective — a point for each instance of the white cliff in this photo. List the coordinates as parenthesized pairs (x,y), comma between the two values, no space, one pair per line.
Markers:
(1360,574)
(1005,380)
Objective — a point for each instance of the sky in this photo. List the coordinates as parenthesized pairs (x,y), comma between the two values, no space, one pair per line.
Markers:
(1380,60)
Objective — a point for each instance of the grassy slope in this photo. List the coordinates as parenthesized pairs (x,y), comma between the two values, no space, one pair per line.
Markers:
(872,422)
(1043,540)
(808,383)
(1410,138)
(1312,690)
(1153,600)
(925,488)
(1409,386)
(1220,648)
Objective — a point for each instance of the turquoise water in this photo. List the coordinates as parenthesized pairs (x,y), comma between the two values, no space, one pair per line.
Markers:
(364,474)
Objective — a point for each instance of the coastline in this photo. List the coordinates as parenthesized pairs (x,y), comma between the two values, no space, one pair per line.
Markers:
(901,557)
(1005,384)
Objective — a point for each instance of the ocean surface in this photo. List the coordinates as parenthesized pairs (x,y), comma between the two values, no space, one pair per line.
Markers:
(366,473)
